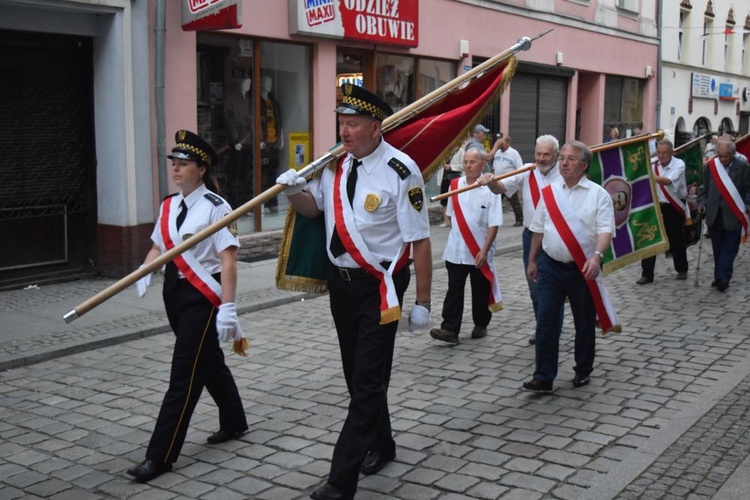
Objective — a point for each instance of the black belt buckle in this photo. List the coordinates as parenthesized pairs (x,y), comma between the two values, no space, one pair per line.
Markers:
(344,273)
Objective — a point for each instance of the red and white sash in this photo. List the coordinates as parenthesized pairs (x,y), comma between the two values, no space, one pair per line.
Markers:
(533,185)
(671,196)
(390,309)
(573,234)
(193,271)
(472,235)
(730,194)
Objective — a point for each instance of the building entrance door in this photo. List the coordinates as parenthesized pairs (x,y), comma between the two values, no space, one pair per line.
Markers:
(48,193)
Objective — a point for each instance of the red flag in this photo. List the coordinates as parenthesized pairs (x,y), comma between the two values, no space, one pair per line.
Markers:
(743,145)
(428,137)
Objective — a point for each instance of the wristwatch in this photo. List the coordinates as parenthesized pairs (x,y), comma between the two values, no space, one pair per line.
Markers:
(427,305)
(601,255)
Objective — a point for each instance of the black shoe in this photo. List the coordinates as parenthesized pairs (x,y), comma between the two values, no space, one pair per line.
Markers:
(330,492)
(722,285)
(148,470)
(444,335)
(478,332)
(538,386)
(714,283)
(682,276)
(581,380)
(223,435)
(374,461)
(532,339)
(643,280)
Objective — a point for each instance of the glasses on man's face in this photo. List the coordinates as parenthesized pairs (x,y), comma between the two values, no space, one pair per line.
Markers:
(569,159)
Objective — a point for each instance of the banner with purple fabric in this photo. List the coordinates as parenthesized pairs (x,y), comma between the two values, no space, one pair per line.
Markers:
(625,172)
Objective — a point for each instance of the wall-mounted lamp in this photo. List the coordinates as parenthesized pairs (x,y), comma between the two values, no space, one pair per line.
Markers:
(559,58)
(463,49)
(649,72)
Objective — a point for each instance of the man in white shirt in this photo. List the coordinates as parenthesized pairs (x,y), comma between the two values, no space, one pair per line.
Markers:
(507,159)
(531,182)
(476,216)
(671,189)
(572,228)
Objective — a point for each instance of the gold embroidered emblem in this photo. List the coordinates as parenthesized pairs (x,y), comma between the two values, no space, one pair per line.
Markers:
(233,228)
(348,89)
(181,135)
(372,202)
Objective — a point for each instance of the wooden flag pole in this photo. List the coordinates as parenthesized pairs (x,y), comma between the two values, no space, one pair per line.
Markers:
(594,149)
(393,121)
(475,185)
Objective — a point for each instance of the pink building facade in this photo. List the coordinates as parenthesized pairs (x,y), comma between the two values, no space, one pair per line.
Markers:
(264,93)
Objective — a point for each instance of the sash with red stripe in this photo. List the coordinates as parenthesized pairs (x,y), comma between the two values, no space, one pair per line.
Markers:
(390,309)
(470,232)
(193,271)
(730,194)
(534,187)
(573,234)
(671,196)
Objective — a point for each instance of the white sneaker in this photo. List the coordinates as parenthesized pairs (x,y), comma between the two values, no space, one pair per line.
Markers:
(444,225)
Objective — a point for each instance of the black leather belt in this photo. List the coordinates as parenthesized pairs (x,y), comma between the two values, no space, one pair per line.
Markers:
(356,273)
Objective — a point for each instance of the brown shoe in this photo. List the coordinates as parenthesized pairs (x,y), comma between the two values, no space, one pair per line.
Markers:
(444,335)
(478,332)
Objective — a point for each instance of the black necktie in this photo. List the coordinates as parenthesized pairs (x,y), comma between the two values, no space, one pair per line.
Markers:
(337,247)
(170,271)
(182,214)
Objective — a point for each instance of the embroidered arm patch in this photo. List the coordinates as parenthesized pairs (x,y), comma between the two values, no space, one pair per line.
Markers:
(416,198)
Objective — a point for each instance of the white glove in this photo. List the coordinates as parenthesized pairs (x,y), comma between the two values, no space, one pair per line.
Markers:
(226,321)
(142,284)
(293,180)
(419,318)
(238,146)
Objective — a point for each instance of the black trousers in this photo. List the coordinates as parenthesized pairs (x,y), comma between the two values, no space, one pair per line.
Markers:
(674,224)
(366,355)
(453,306)
(197,362)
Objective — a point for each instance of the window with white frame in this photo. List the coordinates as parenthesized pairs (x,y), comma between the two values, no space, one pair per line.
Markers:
(631,5)
(706,45)
(681,36)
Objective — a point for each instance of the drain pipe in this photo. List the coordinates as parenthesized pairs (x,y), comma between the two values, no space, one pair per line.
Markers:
(160,29)
(659,67)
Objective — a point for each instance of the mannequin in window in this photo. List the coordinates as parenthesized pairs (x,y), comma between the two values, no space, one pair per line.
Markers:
(238,116)
(272,139)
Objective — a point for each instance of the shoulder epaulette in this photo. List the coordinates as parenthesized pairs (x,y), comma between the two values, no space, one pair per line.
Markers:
(214,198)
(169,196)
(401,169)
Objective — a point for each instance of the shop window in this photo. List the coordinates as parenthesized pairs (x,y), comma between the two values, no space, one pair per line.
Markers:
(623,104)
(394,79)
(254,108)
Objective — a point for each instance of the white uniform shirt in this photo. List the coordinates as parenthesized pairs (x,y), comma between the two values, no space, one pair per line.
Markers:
(521,181)
(394,220)
(675,172)
(201,213)
(481,206)
(506,161)
(591,203)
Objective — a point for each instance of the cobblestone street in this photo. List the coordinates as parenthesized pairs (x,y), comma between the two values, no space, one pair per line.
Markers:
(665,415)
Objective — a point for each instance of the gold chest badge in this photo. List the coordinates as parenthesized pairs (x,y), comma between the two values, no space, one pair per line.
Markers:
(372,202)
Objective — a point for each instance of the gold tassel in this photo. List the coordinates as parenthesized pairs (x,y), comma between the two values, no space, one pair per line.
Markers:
(390,315)
(240,347)
(496,307)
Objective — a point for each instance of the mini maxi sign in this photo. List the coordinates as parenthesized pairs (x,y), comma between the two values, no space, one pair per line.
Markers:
(392,22)
(204,15)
